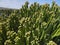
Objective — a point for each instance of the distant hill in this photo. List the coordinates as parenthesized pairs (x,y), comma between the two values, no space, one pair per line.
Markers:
(7,11)
(3,8)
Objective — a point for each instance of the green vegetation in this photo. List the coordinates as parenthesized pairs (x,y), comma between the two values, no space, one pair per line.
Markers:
(31,25)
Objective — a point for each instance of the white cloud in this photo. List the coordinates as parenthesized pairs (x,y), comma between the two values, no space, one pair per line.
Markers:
(12,3)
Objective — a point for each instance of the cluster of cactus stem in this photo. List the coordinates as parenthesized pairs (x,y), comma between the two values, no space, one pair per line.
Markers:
(31,25)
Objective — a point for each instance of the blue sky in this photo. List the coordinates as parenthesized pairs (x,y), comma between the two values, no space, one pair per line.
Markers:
(18,3)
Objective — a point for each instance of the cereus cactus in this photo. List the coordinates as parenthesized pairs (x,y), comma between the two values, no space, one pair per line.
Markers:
(17,40)
(31,25)
(51,43)
(13,21)
(8,42)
